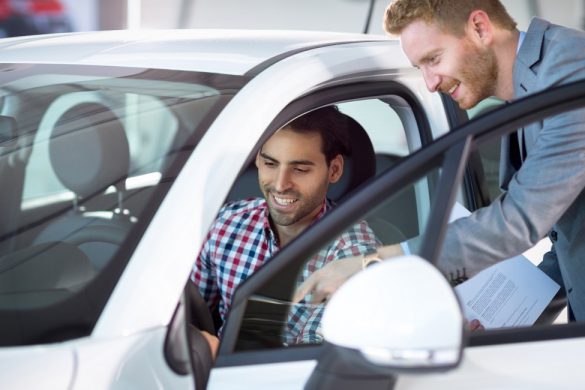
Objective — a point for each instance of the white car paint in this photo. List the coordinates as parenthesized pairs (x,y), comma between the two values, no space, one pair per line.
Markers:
(519,366)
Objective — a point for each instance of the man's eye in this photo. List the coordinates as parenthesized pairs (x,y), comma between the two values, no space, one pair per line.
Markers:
(434,60)
(269,164)
(301,170)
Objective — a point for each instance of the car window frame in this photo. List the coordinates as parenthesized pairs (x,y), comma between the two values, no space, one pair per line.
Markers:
(318,98)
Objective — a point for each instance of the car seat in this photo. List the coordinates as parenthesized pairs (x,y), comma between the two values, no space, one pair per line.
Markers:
(401,210)
(89,152)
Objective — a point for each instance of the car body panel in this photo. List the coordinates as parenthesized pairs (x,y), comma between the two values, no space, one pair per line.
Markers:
(513,366)
(19,363)
(290,375)
(127,362)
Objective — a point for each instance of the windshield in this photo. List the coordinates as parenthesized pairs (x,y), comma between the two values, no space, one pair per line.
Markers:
(86,156)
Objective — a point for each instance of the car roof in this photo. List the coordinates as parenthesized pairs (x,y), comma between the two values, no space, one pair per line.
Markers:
(222,51)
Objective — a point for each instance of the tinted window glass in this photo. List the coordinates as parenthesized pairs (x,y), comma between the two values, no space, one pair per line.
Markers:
(88,154)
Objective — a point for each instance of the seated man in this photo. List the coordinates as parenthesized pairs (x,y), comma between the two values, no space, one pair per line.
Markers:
(295,167)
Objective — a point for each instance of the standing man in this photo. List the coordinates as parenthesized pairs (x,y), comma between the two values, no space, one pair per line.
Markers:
(471,49)
(295,168)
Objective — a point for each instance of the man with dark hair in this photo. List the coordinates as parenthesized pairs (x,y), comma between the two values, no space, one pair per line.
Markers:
(471,50)
(295,167)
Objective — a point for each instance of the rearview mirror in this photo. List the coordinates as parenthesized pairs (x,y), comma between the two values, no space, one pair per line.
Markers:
(398,316)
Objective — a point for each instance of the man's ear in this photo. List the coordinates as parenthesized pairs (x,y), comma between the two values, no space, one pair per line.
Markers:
(336,169)
(257,160)
(481,27)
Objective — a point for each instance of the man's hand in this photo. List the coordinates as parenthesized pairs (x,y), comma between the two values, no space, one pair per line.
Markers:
(475,325)
(324,282)
(213,342)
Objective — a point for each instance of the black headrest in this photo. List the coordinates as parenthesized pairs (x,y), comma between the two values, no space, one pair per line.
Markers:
(358,168)
(89,150)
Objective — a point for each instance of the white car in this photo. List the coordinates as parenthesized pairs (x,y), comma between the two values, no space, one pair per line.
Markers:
(117,149)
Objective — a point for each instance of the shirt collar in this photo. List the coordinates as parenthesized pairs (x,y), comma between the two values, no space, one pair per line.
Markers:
(520,40)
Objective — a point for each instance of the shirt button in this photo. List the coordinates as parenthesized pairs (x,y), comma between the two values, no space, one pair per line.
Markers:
(553,235)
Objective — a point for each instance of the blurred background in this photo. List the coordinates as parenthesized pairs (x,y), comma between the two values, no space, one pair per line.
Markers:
(26,17)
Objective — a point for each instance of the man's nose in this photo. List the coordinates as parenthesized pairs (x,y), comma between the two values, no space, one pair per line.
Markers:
(432,80)
(283,180)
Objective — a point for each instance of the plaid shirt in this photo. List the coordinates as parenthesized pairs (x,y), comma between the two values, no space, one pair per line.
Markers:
(241,240)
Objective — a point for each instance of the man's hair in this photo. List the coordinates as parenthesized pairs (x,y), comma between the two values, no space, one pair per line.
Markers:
(450,15)
(331,124)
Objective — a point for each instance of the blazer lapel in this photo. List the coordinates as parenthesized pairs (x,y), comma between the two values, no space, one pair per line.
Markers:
(528,57)
(525,76)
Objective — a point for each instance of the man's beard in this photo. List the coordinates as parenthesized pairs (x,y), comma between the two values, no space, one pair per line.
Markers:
(479,76)
(305,206)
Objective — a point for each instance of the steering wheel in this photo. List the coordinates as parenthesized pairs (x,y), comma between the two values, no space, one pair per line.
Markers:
(200,319)
(200,316)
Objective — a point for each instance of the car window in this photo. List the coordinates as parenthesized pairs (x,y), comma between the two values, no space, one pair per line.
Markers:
(487,168)
(390,125)
(382,123)
(88,154)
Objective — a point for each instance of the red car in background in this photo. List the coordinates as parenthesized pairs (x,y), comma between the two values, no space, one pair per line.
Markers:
(30,17)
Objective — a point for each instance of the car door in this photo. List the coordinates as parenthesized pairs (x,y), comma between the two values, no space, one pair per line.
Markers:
(543,356)
(397,125)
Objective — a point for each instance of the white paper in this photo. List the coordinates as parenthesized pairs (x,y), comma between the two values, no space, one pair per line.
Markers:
(511,293)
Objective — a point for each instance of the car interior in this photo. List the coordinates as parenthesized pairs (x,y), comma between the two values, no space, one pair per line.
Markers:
(393,222)
(86,164)
(89,151)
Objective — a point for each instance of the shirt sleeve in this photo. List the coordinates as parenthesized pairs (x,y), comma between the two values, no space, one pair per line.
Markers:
(304,321)
(203,274)
(358,240)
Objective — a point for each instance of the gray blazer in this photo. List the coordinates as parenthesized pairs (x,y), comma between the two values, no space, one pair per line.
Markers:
(547,191)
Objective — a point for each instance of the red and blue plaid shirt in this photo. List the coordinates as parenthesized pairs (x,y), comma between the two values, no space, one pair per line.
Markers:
(241,240)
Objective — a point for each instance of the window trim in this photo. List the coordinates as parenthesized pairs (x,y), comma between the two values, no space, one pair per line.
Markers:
(355,205)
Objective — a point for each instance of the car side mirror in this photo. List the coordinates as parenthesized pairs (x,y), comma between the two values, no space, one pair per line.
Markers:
(398,316)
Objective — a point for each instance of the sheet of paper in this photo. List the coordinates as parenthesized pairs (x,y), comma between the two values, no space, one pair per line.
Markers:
(513,292)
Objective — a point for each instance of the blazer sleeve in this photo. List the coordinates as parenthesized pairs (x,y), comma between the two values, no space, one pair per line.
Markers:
(549,181)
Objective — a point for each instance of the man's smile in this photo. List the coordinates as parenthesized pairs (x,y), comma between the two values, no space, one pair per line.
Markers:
(282,201)
(453,88)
